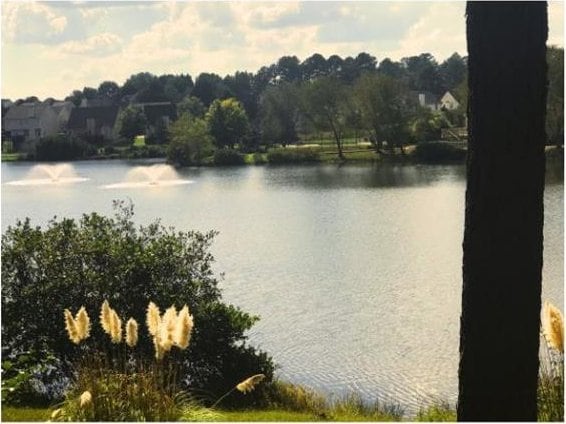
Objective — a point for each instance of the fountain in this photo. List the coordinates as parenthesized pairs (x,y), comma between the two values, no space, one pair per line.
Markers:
(63,173)
(159,175)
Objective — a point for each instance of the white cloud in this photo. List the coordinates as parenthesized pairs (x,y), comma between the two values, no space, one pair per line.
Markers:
(219,37)
(30,22)
(58,24)
(100,44)
(440,31)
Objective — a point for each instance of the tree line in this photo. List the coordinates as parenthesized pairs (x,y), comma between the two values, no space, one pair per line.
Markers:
(291,100)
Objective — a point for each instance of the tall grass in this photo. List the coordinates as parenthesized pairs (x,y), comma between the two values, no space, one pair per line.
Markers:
(550,395)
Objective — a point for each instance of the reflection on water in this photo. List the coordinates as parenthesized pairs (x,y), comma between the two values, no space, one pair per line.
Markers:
(354,270)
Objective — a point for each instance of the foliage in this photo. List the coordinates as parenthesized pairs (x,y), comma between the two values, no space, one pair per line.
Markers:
(386,109)
(190,141)
(280,114)
(279,156)
(191,105)
(29,378)
(438,152)
(348,408)
(72,263)
(227,122)
(209,87)
(427,124)
(227,157)
(120,396)
(438,412)
(146,152)
(326,103)
(61,147)
(27,414)
(131,122)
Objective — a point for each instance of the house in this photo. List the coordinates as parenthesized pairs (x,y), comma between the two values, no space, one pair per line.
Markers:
(448,102)
(93,122)
(63,110)
(28,122)
(427,99)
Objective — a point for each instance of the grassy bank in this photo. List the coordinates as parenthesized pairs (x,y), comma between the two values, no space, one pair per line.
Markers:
(23,414)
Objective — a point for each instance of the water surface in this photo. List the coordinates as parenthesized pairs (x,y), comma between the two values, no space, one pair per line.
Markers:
(354,270)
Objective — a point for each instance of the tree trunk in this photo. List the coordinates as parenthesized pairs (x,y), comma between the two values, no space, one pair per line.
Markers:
(499,333)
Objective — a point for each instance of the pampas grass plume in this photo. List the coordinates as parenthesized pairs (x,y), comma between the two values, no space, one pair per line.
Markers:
(105,317)
(153,318)
(249,384)
(553,326)
(131,332)
(115,327)
(183,328)
(82,323)
(71,327)
(86,400)
(166,329)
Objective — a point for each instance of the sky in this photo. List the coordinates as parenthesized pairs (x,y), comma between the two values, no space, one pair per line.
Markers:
(50,48)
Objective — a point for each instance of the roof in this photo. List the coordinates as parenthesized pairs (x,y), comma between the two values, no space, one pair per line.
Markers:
(103,116)
(429,98)
(25,111)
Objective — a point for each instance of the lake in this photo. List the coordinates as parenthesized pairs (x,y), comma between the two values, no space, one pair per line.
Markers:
(354,270)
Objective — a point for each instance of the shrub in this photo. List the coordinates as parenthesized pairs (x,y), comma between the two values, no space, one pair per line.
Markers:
(228,157)
(72,263)
(438,151)
(61,147)
(146,152)
(277,156)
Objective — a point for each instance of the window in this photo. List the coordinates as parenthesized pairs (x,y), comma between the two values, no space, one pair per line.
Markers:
(38,132)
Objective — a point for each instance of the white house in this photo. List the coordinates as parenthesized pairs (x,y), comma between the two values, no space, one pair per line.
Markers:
(448,102)
(30,121)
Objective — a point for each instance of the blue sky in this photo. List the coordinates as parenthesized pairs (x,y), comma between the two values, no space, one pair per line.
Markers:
(50,48)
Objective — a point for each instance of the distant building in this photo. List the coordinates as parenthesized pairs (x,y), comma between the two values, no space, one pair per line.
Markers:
(93,122)
(29,122)
(427,99)
(448,102)
(63,110)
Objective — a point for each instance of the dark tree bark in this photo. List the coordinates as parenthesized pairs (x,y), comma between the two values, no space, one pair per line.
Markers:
(499,333)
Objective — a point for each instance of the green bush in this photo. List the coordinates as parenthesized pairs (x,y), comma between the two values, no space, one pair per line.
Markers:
(277,156)
(146,152)
(61,147)
(438,151)
(72,263)
(228,157)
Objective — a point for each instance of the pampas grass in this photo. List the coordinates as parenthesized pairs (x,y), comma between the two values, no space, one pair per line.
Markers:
(131,332)
(249,384)
(550,396)
(127,388)
(78,328)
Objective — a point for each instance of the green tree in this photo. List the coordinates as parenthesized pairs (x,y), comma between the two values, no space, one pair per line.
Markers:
(387,109)
(69,264)
(191,105)
(209,87)
(190,141)
(503,232)
(452,71)
(426,125)
(227,122)
(325,102)
(108,90)
(280,112)
(131,122)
